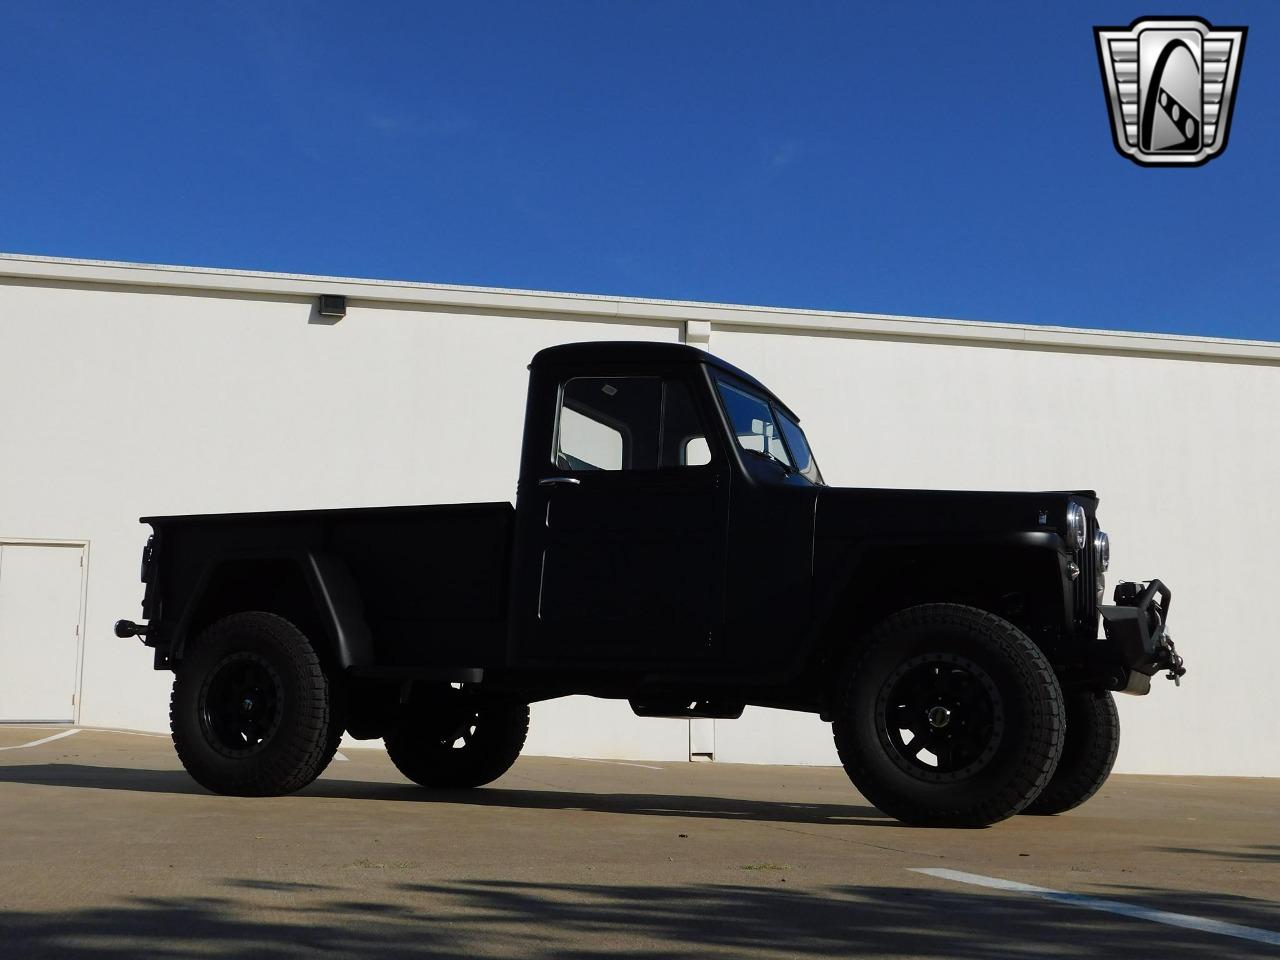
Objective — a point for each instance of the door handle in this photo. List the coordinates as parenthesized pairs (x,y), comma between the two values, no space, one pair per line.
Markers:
(556,481)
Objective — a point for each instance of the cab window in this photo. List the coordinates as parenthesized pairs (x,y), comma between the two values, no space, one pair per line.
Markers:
(608,423)
(628,423)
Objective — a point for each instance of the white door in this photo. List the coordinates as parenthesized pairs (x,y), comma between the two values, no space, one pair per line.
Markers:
(40,590)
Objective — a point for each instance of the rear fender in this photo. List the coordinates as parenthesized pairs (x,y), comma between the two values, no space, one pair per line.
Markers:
(315,590)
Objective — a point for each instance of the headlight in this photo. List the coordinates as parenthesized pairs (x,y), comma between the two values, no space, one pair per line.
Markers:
(1077,526)
(1102,550)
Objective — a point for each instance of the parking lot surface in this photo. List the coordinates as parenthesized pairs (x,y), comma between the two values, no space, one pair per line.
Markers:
(109,850)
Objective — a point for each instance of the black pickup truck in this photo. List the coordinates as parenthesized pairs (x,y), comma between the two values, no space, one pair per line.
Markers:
(673,544)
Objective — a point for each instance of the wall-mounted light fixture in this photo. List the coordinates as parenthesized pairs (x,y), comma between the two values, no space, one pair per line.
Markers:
(333,305)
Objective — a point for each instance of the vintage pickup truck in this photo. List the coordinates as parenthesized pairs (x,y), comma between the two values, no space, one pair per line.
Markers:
(673,544)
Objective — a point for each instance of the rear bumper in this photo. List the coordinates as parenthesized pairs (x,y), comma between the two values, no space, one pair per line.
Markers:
(1137,640)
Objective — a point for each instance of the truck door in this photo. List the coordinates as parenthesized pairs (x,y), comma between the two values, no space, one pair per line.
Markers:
(768,599)
(635,501)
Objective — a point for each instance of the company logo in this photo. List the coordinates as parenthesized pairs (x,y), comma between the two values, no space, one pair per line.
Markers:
(1170,84)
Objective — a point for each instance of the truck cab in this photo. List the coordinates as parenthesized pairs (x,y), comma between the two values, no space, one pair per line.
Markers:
(673,544)
(663,524)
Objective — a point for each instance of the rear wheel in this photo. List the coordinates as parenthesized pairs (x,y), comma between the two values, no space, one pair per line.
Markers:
(949,716)
(1088,754)
(250,711)
(452,739)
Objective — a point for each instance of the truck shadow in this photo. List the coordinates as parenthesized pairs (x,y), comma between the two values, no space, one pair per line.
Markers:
(640,804)
(645,804)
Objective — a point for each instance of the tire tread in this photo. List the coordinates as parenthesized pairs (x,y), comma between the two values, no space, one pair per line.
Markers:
(1089,753)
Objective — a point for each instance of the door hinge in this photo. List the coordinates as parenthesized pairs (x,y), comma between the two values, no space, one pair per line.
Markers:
(73,699)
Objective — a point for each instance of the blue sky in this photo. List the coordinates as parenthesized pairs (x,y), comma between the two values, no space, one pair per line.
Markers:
(942,159)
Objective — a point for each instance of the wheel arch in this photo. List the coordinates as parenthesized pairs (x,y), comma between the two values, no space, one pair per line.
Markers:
(1019,578)
(313,590)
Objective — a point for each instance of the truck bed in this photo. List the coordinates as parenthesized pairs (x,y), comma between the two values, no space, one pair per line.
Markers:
(433,579)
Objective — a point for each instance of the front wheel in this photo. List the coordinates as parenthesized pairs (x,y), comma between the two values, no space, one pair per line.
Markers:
(949,716)
(1089,753)
(452,739)
(250,710)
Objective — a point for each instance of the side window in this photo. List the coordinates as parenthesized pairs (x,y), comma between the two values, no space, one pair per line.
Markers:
(609,423)
(629,423)
(752,420)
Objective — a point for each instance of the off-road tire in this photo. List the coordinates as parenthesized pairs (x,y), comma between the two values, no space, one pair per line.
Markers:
(496,732)
(1025,700)
(300,740)
(1088,753)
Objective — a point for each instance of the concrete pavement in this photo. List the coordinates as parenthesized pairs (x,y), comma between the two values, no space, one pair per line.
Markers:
(110,850)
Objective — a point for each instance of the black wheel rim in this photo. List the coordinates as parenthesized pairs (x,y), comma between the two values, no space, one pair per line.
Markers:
(941,717)
(454,721)
(241,703)
(461,735)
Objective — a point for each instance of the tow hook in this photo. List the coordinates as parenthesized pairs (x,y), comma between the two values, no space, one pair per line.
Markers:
(1167,658)
(127,628)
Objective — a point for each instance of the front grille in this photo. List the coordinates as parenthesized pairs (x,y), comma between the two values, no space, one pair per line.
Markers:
(1086,585)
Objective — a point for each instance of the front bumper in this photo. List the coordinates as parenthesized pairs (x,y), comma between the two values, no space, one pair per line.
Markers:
(1137,638)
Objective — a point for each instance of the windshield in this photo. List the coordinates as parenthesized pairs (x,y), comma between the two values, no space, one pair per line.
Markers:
(761,428)
(800,451)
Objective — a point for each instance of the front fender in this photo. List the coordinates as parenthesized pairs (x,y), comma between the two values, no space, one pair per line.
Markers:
(859,582)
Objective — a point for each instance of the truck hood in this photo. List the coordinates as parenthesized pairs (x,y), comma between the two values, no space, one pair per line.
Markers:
(968,515)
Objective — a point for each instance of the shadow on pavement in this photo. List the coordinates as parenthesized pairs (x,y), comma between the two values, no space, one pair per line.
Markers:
(645,804)
(1260,853)
(503,918)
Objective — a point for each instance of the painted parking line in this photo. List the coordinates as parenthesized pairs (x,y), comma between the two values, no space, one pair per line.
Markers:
(129,733)
(1184,920)
(339,755)
(36,743)
(616,763)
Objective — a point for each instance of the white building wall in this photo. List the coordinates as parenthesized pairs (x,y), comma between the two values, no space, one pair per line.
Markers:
(123,394)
